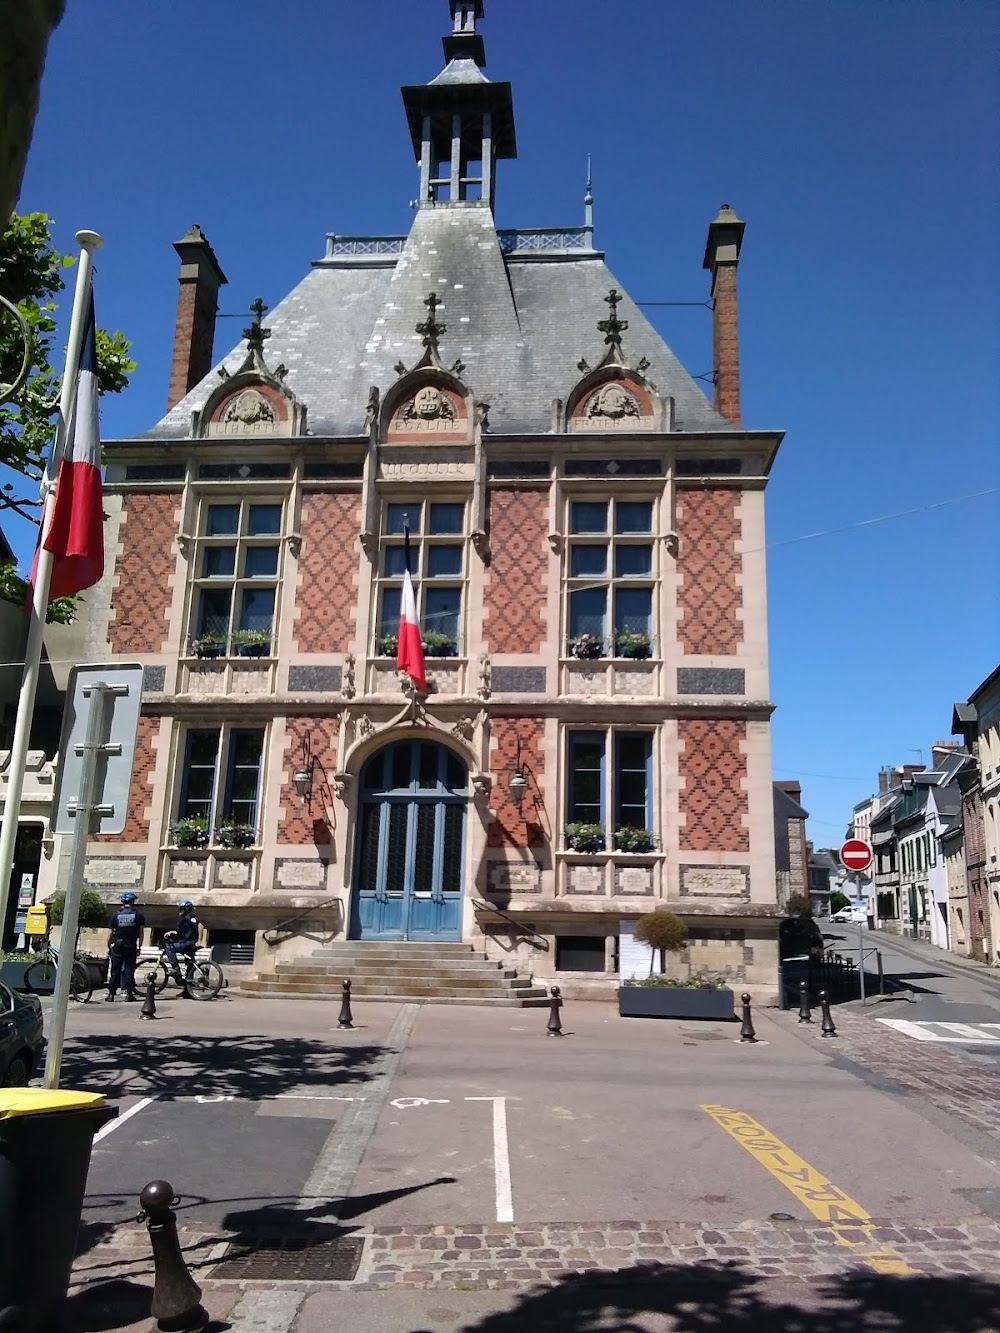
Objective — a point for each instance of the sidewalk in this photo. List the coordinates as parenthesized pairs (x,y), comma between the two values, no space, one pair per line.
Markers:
(931,953)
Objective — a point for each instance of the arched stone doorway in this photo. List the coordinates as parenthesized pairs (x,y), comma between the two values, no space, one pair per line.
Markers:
(409,857)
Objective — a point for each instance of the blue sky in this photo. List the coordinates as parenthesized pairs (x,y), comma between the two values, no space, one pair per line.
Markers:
(856,138)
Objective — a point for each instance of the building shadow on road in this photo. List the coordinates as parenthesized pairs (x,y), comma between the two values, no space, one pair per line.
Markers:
(183,1065)
(709,1298)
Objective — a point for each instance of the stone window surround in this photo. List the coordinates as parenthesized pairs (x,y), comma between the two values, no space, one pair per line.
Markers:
(201,496)
(220,782)
(610,730)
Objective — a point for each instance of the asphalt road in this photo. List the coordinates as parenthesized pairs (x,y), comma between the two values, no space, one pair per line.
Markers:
(262,1113)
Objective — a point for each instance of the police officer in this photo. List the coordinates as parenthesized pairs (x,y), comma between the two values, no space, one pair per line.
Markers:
(182,941)
(123,947)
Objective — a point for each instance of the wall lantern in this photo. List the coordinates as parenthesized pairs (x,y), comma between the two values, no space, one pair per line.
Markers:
(518,785)
(302,778)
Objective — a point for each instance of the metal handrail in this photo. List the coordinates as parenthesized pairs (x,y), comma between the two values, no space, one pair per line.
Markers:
(529,932)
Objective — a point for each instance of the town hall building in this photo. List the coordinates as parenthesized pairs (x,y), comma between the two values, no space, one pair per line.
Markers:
(586,537)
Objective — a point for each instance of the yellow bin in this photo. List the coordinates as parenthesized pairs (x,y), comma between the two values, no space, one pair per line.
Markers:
(45,1143)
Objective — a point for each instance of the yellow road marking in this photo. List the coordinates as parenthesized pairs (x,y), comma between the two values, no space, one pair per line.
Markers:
(824,1200)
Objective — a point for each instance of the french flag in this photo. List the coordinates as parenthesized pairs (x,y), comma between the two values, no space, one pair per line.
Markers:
(74,524)
(409,646)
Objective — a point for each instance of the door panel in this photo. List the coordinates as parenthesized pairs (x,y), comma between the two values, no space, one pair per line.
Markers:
(410,844)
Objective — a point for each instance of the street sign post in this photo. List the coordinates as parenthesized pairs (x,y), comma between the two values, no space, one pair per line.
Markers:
(97,751)
(856,854)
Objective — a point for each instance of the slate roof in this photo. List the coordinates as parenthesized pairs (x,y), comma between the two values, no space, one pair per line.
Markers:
(520,326)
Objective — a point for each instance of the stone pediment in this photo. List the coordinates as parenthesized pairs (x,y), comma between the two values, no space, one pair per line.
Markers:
(254,400)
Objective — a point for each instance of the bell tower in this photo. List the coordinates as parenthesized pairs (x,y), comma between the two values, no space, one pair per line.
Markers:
(460,123)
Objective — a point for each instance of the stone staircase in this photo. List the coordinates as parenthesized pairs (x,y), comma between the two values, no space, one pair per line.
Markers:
(418,973)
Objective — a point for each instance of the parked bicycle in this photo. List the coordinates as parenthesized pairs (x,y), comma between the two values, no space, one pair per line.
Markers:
(202,981)
(40,976)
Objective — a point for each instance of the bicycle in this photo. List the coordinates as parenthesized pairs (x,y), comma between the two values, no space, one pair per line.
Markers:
(40,976)
(202,981)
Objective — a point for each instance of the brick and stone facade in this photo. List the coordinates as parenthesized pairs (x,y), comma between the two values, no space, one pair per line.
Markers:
(587,541)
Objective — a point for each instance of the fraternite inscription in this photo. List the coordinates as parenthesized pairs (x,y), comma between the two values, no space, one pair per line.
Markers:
(715,881)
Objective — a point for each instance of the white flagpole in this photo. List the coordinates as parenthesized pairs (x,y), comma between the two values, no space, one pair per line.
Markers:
(90,241)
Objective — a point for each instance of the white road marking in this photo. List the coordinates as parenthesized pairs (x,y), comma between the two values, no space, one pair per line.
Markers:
(125,1115)
(310,1097)
(501,1157)
(405,1103)
(970,1033)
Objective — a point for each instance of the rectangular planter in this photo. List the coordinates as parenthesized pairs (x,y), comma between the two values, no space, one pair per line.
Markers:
(12,974)
(674,1002)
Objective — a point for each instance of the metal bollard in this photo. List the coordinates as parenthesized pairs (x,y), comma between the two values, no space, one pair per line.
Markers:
(828,1029)
(805,1015)
(176,1295)
(346,1019)
(555,1025)
(746,1031)
(148,1009)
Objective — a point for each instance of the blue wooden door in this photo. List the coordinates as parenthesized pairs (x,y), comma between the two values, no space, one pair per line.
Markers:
(410,843)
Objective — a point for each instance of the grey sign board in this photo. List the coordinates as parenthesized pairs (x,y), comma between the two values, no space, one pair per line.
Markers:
(117,741)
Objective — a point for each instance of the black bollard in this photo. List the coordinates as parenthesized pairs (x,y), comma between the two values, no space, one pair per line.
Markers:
(346,1019)
(148,1009)
(176,1296)
(746,1031)
(828,1029)
(804,1015)
(555,1025)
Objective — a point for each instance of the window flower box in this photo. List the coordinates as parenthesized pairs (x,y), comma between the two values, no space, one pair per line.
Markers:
(436,644)
(634,840)
(387,644)
(585,646)
(191,832)
(632,643)
(252,643)
(208,645)
(585,837)
(236,836)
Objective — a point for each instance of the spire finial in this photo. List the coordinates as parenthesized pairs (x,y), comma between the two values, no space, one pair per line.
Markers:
(588,204)
(255,334)
(464,42)
(429,329)
(613,327)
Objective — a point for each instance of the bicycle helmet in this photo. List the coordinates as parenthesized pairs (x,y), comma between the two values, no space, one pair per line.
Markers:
(128,899)
(185,902)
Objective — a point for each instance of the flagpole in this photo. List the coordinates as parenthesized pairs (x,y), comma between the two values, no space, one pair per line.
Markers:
(89,241)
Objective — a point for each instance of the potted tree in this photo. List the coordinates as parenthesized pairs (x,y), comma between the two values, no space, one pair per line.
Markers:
(94,912)
(660,996)
(585,837)
(235,835)
(191,831)
(632,643)
(252,643)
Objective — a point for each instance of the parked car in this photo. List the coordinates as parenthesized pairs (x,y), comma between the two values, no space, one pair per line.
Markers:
(849,915)
(21,1037)
(800,937)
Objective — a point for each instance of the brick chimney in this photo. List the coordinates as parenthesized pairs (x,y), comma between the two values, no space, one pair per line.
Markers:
(722,255)
(197,304)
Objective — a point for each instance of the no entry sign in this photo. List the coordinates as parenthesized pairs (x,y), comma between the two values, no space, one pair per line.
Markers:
(856,854)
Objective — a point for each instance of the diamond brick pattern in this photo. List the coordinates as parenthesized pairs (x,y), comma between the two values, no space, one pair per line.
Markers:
(515,591)
(143,571)
(328,571)
(514,827)
(708,563)
(141,793)
(303,821)
(713,799)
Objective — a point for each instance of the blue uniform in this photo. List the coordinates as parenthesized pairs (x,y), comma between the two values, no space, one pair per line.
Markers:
(186,942)
(126,930)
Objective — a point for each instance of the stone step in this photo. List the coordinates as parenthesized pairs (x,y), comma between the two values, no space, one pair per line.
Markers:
(414,948)
(257,990)
(292,987)
(403,969)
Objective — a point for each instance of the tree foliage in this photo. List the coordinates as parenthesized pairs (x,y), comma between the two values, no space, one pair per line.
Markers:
(93,912)
(663,932)
(31,277)
(838,901)
(798,905)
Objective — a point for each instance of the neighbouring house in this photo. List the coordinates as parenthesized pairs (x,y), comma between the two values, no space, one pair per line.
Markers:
(586,534)
(977,721)
(791,855)
(824,866)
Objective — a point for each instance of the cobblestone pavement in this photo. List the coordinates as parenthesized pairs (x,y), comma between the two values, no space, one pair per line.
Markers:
(949,1081)
(502,1257)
